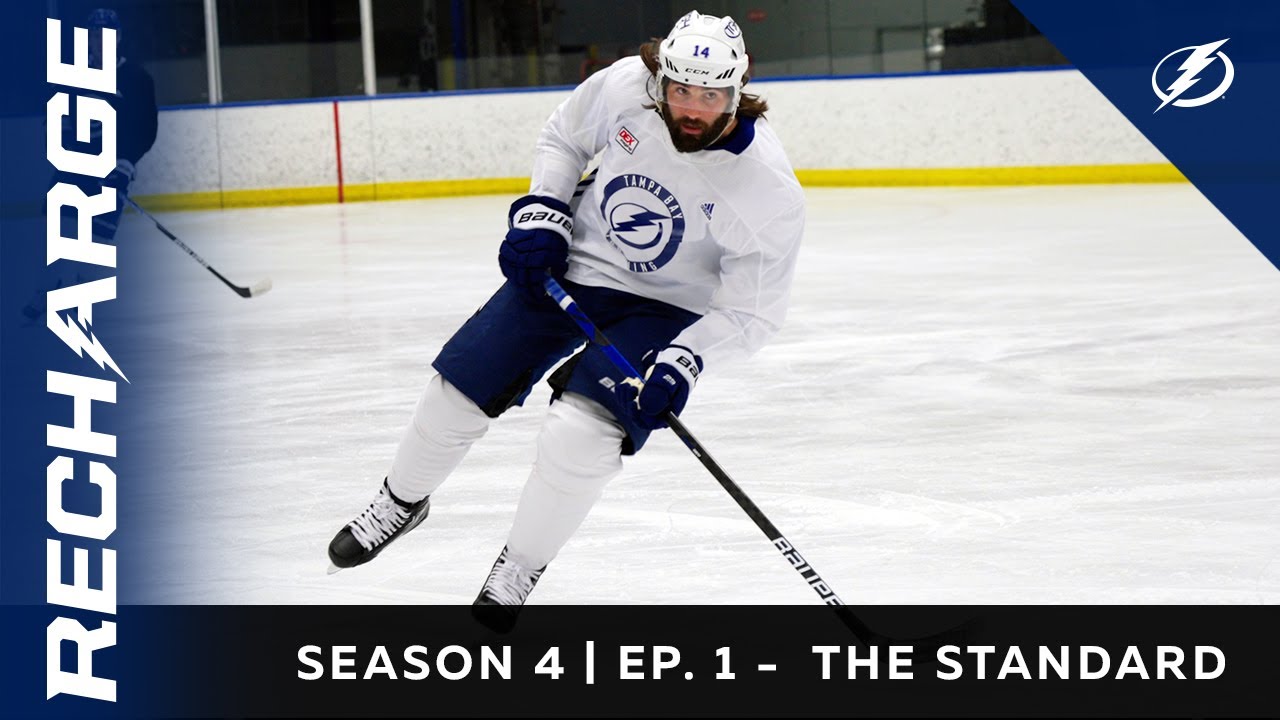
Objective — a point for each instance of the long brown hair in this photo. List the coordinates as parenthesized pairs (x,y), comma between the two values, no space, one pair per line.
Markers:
(752,106)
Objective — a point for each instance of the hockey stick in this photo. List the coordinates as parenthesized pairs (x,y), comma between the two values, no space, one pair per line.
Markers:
(784,546)
(254,290)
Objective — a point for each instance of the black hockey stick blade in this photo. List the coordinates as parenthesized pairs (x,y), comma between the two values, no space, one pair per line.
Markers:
(254,290)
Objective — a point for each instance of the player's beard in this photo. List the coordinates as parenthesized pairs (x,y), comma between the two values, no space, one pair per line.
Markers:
(685,142)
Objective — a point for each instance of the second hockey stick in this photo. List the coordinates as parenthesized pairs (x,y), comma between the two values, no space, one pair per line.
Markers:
(253,290)
(784,546)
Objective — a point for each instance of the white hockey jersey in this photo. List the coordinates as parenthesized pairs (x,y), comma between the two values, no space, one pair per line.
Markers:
(715,232)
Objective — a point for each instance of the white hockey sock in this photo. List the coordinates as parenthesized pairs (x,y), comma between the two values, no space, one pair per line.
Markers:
(445,424)
(579,452)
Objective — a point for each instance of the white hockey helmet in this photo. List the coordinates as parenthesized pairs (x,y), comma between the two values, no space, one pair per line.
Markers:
(704,50)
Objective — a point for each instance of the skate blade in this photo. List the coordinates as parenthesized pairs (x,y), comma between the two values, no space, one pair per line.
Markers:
(332,569)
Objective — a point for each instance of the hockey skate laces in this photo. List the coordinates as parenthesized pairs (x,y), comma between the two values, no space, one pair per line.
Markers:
(378,521)
(509,583)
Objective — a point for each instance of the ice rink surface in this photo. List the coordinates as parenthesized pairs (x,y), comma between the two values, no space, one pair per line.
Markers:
(1010,395)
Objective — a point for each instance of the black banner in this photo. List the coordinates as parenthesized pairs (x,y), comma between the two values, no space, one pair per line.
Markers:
(704,661)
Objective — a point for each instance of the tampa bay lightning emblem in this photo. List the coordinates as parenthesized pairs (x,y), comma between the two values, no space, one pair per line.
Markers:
(635,226)
(645,221)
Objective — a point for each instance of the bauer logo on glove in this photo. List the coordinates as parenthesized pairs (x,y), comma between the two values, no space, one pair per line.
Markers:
(666,387)
(537,242)
(538,218)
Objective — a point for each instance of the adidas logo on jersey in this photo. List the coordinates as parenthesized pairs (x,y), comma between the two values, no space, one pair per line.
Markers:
(707,208)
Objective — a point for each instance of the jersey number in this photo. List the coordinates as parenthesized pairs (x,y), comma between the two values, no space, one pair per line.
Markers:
(703,51)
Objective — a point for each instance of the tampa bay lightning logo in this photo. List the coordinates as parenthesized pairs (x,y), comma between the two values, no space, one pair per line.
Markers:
(646,223)
(635,226)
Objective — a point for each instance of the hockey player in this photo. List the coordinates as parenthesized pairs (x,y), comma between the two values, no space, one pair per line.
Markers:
(136,121)
(680,245)
(136,117)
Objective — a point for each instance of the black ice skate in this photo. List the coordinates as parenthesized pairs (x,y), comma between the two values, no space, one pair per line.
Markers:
(35,306)
(504,593)
(387,518)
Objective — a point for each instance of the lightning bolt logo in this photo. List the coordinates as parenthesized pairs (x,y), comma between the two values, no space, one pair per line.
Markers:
(87,344)
(644,218)
(637,216)
(1201,57)
(78,334)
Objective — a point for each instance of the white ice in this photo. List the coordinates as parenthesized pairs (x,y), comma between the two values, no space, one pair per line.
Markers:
(1013,395)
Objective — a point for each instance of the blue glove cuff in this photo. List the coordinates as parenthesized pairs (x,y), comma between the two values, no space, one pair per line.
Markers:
(683,360)
(539,212)
(547,200)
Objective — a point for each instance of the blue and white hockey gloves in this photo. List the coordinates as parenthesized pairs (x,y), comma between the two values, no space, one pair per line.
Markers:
(537,242)
(666,387)
(121,176)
